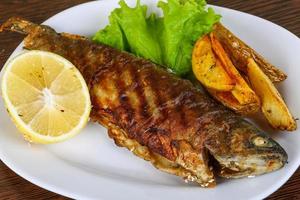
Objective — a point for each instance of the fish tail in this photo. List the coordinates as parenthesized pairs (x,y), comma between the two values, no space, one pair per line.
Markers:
(69,46)
(18,24)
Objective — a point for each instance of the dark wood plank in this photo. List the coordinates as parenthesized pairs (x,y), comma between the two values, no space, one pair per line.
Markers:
(283,12)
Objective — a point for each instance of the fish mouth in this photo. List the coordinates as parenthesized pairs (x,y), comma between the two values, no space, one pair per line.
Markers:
(247,166)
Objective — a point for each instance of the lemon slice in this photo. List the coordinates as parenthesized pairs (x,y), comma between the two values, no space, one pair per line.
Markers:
(46,96)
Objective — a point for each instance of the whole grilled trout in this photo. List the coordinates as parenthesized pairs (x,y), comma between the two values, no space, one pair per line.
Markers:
(158,116)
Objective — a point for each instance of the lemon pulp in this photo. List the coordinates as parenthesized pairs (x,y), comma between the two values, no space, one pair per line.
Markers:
(46,96)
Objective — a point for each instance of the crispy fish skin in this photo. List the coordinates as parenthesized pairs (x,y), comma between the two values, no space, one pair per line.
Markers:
(158,116)
(240,53)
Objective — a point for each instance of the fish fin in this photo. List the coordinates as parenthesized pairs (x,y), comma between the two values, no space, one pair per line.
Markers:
(74,36)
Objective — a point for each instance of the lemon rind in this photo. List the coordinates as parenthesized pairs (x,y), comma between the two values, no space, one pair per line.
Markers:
(29,134)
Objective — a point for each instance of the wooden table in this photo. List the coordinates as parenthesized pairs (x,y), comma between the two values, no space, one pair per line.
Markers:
(283,12)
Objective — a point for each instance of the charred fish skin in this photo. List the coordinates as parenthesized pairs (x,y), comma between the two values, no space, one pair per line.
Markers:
(156,115)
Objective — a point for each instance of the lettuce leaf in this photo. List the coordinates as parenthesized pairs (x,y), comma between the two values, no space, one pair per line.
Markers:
(166,40)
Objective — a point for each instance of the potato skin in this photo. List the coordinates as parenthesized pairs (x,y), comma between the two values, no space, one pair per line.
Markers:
(214,69)
(207,67)
(240,52)
(273,106)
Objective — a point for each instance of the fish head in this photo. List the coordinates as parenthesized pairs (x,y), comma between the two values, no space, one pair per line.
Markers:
(243,150)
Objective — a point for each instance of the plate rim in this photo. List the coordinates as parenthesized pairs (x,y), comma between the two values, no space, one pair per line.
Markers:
(35,180)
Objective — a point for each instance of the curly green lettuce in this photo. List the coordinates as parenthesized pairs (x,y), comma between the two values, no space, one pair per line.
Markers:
(166,40)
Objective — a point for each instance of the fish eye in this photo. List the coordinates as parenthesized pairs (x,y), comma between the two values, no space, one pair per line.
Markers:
(261,142)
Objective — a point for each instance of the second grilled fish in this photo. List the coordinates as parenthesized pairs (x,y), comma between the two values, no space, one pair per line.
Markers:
(157,115)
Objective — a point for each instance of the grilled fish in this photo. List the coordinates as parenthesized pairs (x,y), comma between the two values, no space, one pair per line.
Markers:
(157,115)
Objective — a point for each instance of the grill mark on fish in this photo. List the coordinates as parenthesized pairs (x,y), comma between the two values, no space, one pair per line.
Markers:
(131,101)
(150,98)
(104,59)
(146,128)
(136,77)
(180,110)
(110,97)
(126,109)
(188,101)
(133,93)
(155,115)
(160,99)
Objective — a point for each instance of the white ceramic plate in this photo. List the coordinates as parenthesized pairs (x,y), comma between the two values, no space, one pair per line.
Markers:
(90,166)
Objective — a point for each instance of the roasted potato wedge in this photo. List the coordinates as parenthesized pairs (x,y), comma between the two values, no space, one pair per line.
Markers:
(240,52)
(228,100)
(241,91)
(214,69)
(273,106)
(208,69)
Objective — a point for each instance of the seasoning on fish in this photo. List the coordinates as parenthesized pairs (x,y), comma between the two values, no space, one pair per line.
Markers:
(157,115)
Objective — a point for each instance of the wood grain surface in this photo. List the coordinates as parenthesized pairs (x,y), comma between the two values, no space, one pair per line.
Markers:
(286,13)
